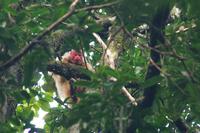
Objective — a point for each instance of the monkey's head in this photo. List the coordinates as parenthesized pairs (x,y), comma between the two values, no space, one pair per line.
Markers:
(72,57)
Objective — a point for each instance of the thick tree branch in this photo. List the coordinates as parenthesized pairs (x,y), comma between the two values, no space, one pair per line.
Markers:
(158,24)
(183,128)
(68,71)
(156,29)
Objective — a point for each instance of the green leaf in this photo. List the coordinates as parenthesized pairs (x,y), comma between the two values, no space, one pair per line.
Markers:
(92,27)
(24,94)
(26,114)
(44,104)
(87,84)
(152,81)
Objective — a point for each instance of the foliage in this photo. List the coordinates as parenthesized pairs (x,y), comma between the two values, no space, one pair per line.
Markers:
(177,95)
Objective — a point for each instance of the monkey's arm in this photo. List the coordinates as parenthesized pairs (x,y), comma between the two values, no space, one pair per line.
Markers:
(63,86)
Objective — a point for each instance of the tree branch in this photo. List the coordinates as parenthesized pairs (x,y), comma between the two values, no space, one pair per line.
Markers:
(68,71)
(100,41)
(130,97)
(97,6)
(37,39)
(156,31)
(110,62)
(183,128)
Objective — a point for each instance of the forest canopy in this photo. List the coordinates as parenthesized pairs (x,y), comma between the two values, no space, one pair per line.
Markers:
(144,57)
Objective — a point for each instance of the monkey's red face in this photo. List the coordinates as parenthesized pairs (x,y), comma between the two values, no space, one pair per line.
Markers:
(73,57)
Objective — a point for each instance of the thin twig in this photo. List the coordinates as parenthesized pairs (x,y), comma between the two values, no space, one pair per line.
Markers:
(165,74)
(157,67)
(82,51)
(100,41)
(173,54)
(95,49)
(189,72)
(105,50)
(96,6)
(131,98)
(104,47)
(185,29)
